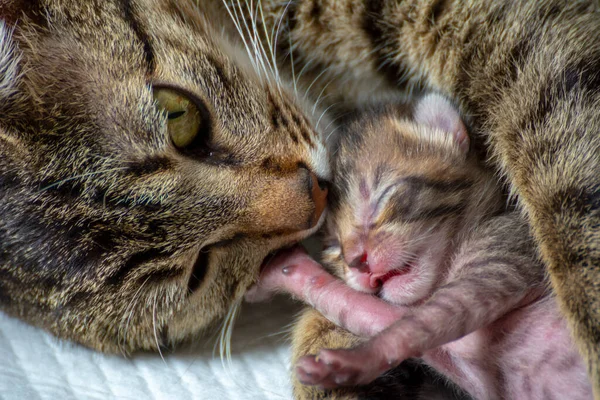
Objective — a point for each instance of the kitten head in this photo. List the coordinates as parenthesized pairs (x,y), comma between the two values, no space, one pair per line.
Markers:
(146,170)
(404,186)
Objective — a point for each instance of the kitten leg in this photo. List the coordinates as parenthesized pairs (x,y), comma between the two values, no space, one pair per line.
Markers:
(296,273)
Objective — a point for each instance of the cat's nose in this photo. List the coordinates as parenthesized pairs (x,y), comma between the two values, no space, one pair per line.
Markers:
(318,191)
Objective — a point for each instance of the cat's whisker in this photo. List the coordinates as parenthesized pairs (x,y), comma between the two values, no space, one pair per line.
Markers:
(261,52)
(304,68)
(307,91)
(88,174)
(331,133)
(277,32)
(320,97)
(294,80)
(248,32)
(253,32)
(324,113)
(238,27)
(158,346)
(226,333)
(122,332)
(270,48)
(285,330)
(337,119)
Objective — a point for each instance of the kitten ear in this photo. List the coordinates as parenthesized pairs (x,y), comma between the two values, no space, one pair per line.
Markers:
(436,111)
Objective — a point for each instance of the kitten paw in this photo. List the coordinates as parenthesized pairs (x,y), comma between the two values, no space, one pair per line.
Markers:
(335,368)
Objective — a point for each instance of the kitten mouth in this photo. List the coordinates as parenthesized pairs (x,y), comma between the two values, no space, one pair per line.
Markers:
(377,281)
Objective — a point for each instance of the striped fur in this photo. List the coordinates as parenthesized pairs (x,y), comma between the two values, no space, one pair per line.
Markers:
(109,235)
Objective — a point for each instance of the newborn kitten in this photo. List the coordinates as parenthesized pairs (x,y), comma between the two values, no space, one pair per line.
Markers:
(419,223)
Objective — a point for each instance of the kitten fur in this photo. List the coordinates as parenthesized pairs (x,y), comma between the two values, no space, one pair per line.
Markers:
(463,268)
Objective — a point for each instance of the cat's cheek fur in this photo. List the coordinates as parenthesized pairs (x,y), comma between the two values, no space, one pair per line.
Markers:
(9,59)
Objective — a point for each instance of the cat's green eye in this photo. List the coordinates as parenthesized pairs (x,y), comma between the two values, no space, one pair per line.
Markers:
(184,119)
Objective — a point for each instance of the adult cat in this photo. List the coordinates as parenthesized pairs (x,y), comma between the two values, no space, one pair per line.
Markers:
(145,171)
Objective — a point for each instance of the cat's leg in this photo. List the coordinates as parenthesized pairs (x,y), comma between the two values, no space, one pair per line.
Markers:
(312,333)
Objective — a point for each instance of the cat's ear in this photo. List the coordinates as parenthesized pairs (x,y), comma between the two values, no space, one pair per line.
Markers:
(438,112)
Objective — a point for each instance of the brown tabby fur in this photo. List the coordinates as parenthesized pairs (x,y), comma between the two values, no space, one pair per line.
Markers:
(106,259)
(527,73)
(109,236)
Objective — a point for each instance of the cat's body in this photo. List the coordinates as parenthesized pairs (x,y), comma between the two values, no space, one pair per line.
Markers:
(525,72)
(417,222)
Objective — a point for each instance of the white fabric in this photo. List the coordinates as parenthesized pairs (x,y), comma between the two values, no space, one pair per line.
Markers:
(35,365)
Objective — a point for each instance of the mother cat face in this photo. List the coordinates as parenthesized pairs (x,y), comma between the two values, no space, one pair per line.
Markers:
(145,172)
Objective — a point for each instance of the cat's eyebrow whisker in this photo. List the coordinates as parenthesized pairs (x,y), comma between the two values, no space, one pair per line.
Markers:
(277,32)
(270,44)
(258,45)
(248,31)
(237,25)
(87,174)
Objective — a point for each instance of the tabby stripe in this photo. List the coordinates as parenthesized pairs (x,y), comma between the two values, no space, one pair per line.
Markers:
(149,165)
(221,73)
(304,130)
(418,183)
(382,39)
(432,213)
(446,186)
(198,271)
(132,263)
(161,275)
(142,35)
(576,200)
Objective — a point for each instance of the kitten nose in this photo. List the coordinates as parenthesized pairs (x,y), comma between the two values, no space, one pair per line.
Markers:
(361,263)
(318,191)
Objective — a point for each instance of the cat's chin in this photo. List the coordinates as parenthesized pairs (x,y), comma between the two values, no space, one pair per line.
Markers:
(276,252)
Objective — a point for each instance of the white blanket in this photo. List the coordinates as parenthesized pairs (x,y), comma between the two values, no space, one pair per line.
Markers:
(34,365)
